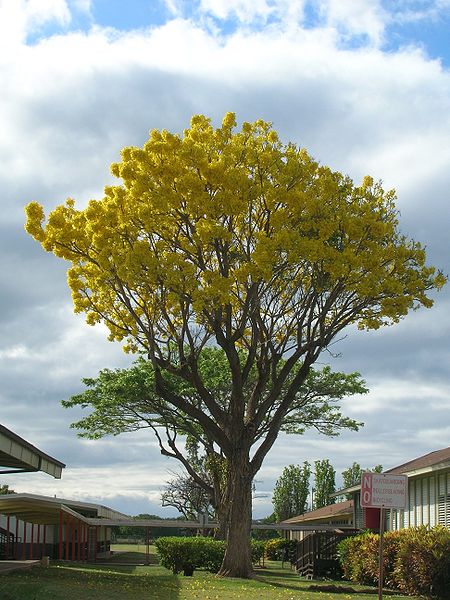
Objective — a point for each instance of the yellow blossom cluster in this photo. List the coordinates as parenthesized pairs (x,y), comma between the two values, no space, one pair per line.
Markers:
(202,220)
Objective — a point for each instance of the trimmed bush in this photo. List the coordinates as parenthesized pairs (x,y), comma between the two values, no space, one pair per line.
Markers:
(258,548)
(280,549)
(181,554)
(345,551)
(189,553)
(361,558)
(416,560)
(423,563)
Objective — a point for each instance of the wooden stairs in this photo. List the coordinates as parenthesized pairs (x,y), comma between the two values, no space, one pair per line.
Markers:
(316,554)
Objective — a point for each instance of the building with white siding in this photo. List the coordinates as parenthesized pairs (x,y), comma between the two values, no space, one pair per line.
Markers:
(428,495)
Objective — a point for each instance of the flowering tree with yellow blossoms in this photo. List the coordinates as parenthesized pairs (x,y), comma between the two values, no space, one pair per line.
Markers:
(233,238)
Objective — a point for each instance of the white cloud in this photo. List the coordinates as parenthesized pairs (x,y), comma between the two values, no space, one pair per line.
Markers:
(436,437)
(366,19)
(14,352)
(19,18)
(243,10)
(141,484)
(414,11)
(393,394)
(83,6)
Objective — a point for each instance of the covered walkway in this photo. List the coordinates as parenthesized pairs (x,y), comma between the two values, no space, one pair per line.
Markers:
(19,456)
(37,526)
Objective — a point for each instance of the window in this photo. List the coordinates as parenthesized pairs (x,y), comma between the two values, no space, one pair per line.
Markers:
(444,500)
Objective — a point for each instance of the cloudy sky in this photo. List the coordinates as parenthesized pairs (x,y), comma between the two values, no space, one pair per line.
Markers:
(364,85)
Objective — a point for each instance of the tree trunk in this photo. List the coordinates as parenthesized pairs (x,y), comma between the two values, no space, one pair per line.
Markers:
(222,512)
(221,506)
(237,561)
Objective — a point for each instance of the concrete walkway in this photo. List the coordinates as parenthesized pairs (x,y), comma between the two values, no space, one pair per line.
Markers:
(6,566)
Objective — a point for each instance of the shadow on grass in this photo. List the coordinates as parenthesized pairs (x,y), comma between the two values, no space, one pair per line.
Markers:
(270,576)
(67,582)
(132,558)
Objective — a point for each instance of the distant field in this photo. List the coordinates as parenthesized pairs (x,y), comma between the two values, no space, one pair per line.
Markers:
(70,581)
(132,553)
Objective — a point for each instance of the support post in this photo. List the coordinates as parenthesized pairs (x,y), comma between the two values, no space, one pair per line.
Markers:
(44,541)
(380,556)
(79,525)
(60,550)
(95,542)
(32,542)
(147,544)
(16,550)
(67,536)
(8,537)
(38,541)
(83,536)
(74,523)
(24,541)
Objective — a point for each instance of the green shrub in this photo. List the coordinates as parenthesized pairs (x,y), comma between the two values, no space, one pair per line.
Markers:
(213,553)
(280,549)
(416,561)
(345,549)
(189,553)
(423,562)
(391,548)
(258,548)
(180,554)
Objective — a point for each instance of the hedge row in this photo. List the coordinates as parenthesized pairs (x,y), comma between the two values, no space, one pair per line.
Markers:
(416,561)
(187,554)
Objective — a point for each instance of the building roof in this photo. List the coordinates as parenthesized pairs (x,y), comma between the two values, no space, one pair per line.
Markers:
(33,508)
(19,456)
(340,509)
(432,459)
(46,510)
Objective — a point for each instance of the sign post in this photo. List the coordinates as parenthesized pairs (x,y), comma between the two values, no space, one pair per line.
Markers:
(382,490)
(380,556)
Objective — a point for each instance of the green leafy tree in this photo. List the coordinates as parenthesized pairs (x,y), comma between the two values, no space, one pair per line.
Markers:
(126,400)
(291,491)
(352,476)
(4,489)
(324,483)
(235,239)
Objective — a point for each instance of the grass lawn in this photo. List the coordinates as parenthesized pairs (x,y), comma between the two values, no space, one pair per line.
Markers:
(70,581)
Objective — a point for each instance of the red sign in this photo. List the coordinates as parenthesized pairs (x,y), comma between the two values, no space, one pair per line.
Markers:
(382,490)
